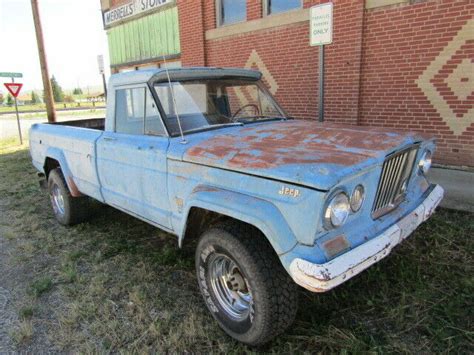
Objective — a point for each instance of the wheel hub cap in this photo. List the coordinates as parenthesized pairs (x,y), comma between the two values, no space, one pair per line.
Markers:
(57,200)
(230,287)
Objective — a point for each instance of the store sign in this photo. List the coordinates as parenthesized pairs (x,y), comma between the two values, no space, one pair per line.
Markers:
(321,24)
(131,9)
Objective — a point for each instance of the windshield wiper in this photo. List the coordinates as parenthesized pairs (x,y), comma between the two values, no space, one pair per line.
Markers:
(251,119)
(214,126)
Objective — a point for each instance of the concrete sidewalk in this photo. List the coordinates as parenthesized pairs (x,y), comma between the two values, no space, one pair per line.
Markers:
(458,186)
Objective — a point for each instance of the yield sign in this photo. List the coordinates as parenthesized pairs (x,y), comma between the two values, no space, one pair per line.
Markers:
(13,88)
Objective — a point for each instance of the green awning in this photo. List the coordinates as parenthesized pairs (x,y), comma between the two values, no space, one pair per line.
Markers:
(149,37)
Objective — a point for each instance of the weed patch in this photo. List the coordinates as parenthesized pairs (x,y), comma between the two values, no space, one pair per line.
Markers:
(40,286)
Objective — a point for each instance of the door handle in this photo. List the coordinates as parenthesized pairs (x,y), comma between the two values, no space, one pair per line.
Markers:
(110,139)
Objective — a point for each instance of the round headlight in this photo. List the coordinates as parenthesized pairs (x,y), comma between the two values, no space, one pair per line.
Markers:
(337,211)
(425,162)
(357,198)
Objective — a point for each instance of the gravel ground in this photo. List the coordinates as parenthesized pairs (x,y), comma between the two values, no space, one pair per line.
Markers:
(8,313)
(15,280)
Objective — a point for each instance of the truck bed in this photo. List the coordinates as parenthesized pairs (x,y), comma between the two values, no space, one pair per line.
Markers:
(73,145)
(91,123)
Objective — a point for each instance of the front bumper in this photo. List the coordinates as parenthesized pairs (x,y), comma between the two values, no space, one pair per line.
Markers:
(323,277)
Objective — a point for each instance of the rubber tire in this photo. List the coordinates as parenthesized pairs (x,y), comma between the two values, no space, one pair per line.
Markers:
(275,295)
(76,209)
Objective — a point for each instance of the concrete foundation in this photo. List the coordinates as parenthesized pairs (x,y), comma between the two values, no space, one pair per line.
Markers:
(458,186)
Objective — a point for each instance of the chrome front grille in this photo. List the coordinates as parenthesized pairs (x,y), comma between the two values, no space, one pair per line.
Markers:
(393,181)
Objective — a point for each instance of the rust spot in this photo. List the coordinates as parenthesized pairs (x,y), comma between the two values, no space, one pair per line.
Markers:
(205,188)
(73,188)
(295,142)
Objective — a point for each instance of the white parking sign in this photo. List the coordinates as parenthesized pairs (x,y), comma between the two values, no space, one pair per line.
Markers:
(321,24)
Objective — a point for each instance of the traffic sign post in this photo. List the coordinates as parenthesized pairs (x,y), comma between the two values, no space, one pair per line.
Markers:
(100,62)
(14,89)
(321,23)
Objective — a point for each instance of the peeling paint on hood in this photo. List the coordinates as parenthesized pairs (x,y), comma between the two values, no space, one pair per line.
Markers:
(308,153)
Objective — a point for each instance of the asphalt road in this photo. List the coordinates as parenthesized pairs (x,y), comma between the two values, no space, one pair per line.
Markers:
(9,129)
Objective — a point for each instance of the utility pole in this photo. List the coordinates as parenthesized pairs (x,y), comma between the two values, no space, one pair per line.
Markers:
(48,91)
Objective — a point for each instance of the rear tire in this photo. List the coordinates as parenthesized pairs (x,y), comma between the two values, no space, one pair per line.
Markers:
(243,283)
(67,209)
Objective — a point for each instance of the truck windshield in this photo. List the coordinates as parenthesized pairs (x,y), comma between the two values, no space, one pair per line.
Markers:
(204,104)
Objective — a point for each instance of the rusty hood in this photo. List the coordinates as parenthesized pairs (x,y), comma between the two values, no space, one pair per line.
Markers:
(309,153)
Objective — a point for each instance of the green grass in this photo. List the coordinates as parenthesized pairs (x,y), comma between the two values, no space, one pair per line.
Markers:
(122,285)
(26,312)
(41,285)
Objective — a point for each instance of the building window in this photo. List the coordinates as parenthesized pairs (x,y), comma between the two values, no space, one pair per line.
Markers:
(231,11)
(278,6)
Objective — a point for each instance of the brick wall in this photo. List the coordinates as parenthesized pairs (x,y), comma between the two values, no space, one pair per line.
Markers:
(115,3)
(254,9)
(191,31)
(408,65)
(418,73)
(284,53)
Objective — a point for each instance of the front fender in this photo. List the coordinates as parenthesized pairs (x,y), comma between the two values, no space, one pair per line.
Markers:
(252,210)
(58,155)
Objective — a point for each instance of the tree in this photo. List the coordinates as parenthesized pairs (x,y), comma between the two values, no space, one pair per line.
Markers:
(58,94)
(77,91)
(9,100)
(34,98)
(1,98)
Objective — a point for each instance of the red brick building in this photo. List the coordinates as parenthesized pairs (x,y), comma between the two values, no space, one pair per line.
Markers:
(406,64)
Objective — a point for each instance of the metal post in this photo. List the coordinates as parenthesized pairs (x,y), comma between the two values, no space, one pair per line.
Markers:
(104,82)
(48,91)
(321,83)
(18,118)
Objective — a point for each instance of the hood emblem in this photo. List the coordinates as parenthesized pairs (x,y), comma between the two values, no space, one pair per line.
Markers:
(287,191)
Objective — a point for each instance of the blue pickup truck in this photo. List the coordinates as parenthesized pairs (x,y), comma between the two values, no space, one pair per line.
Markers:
(275,202)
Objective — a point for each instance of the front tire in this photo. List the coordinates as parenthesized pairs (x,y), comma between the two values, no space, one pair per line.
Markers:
(243,283)
(67,209)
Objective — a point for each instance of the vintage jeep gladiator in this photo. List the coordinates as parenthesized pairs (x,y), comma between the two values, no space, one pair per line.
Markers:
(208,153)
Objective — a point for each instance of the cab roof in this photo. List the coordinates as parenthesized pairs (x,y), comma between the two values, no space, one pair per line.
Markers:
(194,73)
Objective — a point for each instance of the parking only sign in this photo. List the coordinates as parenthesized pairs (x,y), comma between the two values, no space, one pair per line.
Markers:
(100,62)
(321,24)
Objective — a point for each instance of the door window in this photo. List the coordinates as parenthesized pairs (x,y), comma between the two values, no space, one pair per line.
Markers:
(136,112)
(153,123)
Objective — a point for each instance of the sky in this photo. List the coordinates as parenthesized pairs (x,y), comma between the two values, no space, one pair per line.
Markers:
(73,34)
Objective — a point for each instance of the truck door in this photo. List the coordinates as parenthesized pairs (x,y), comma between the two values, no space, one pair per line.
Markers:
(131,158)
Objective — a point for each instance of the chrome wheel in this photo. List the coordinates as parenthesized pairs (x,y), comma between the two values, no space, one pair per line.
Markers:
(57,200)
(230,287)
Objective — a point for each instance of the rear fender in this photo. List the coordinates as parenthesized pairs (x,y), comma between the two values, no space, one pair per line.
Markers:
(58,155)
(252,210)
